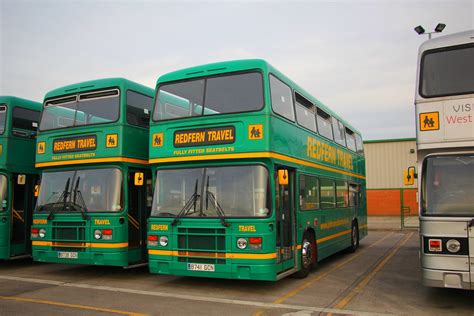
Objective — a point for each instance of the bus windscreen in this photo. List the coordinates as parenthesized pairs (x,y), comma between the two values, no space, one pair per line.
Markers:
(99,190)
(242,92)
(447,72)
(447,188)
(247,195)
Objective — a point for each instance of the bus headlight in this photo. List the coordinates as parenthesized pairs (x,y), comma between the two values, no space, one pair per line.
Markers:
(453,245)
(97,234)
(242,243)
(164,241)
(42,233)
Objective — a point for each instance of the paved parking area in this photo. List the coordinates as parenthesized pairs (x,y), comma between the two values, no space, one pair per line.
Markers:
(382,277)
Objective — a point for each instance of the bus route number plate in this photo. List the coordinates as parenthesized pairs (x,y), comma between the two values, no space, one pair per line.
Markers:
(67,255)
(201,267)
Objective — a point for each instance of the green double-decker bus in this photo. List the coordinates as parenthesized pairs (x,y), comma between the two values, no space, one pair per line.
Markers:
(18,125)
(253,177)
(95,192)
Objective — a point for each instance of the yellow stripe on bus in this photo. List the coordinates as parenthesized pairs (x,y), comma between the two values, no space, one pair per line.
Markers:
(93,160)
(214,255)
(255,155)
(79,244)
(334,236)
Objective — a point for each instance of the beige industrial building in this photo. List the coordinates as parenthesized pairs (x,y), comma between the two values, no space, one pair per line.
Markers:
(385,163)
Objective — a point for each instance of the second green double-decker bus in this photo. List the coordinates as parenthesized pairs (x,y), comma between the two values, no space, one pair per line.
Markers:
(18,124)
(254,178)
(95,191)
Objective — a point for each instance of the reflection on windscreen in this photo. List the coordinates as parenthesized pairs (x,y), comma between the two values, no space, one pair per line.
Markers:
(3,115)
(240,191)
(213,95)
(100,189)
(448,185)
(3,192)
(448,72)
(84,109)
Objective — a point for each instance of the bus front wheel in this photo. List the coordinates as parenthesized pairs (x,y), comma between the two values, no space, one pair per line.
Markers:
(308,256)
(354,237)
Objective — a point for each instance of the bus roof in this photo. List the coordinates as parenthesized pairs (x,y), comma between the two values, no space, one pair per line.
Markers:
(98,84)
(448,40)
(242,65)
(12,101)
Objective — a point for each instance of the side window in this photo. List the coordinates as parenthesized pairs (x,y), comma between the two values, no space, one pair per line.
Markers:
(282,100)
(353,194)
(138,109)
(328,193)
(324,124)
(359,144)
(305,112)
(350,139)
(24,122)
(342,198)
(3,117)
(338,129)
(309,193)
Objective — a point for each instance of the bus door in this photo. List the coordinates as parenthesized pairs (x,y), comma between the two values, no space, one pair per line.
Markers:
(23,201)
(138,208)
(285,216)
(5,193)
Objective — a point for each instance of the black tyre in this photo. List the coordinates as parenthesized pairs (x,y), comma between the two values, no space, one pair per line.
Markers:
(354,237)
(308,256)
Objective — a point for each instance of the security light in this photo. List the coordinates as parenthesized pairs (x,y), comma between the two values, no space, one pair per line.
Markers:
(419,29)
(440,27)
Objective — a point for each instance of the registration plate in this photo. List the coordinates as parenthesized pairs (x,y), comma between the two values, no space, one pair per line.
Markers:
(67,255)
(201,267)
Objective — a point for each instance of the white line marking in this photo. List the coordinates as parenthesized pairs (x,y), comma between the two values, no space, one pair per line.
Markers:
(192,297)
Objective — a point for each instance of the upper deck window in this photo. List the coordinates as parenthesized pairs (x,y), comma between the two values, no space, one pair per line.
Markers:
(359,144)
(350,139)
(305,112)
(324,124)
(282,99)
(338,129)
(90,108)
(447,72)
(138,109)
(24,122)
(3,116)
(241,92)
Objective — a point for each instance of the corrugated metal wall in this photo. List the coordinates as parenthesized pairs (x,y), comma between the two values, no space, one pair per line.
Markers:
(386,161)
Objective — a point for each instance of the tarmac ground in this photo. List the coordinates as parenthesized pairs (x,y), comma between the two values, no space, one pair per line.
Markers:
(382,277)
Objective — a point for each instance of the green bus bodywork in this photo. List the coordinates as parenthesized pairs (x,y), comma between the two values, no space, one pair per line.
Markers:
(17,176)
(200,242)
(92,146)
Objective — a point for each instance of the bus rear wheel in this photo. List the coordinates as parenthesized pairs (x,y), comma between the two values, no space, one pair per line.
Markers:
(308,256)
(354,237)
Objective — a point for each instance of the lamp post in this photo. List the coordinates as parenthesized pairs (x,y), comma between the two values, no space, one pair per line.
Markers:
(438,29)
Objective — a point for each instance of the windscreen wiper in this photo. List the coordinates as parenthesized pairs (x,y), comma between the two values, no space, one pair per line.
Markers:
(219,210)
(191,202)
(81,205)
(63,198)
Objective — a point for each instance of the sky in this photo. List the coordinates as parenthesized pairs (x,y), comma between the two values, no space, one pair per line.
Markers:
(357,57)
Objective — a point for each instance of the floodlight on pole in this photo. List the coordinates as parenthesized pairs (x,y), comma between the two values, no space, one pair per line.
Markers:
(438,29)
